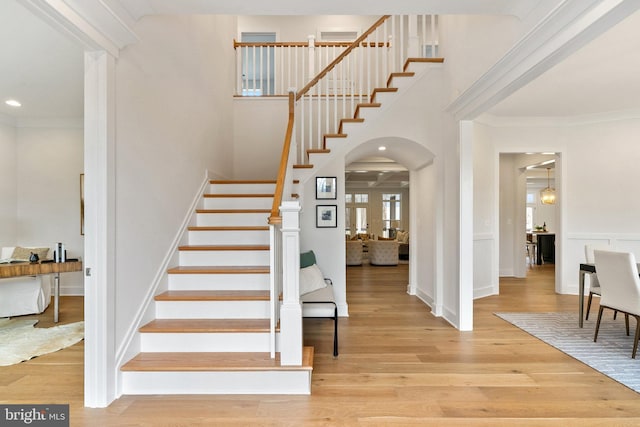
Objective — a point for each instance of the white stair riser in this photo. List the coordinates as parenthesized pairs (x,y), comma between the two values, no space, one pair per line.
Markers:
(238,202)
(401,82)
(212,309)
(242,188)
(159,342)
(419,67)
(224,258)
(348,128)
(383,97)
(229,237)
(218,282)
(236,382)
(230,219)
(368,113)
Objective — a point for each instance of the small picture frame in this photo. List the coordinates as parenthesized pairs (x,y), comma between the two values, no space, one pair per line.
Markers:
(326,216)
(326,188)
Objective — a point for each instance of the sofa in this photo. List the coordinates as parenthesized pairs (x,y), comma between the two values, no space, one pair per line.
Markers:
(354,252)
(26,294)
(383,252)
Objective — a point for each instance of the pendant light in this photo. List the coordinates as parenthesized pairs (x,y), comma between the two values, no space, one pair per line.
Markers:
(548,195)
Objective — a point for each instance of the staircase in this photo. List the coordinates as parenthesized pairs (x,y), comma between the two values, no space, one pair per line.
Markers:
(381,97)
(211,332)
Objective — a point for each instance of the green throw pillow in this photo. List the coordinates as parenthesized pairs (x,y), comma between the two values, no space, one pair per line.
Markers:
(307,259)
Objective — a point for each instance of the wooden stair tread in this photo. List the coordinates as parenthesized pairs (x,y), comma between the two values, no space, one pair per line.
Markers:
(207,361)
(382,89)
(224,248)
(230,228)
(233,211)
(238,195)
(422,60)
(335,135)
(352,120)
(303,166)
(243,181)
(402,74)
(318,150)
(206,326)
(226,295)
(369,105)
(231,269)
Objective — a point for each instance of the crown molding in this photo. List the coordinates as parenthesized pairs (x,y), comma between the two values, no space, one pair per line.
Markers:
(567,28)
(96,24)
(565,121)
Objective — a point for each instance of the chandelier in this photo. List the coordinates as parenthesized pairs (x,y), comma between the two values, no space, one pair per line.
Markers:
(548,195)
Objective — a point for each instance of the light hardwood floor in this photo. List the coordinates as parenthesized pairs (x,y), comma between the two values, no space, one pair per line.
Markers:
(398,365)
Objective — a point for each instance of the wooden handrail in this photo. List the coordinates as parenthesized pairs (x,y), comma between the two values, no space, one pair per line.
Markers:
(274,217)
(340,57)
(237,44)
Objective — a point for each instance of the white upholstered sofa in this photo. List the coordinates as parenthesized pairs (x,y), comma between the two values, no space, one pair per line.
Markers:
(23,295)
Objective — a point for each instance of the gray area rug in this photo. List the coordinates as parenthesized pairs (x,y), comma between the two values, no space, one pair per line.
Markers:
(611,355)
(20,341)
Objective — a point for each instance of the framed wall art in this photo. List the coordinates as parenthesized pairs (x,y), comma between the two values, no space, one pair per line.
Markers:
(326,216)
(326,187)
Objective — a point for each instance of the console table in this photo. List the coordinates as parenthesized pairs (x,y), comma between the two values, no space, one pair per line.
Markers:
(40,268)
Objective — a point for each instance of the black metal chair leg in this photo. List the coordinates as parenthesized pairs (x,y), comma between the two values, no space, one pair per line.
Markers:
(626,322)
(586,317)
(595,337)
(335,333)
(635,340)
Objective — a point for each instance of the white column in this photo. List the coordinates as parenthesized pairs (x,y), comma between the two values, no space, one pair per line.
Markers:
(291,310)
(465,302)
(99,162)
(312,58)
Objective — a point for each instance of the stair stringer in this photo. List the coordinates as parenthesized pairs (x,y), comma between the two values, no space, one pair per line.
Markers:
(360,132)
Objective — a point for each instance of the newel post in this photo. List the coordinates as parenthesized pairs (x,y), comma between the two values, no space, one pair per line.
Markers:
(291,310)
(312,56)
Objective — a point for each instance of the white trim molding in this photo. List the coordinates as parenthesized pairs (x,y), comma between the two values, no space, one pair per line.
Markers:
(569,27)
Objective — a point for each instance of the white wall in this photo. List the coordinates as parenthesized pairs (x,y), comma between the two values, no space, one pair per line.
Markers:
(258,136)
(50,161)
(592,183)
(472,44)
(40,171)
(8,185)
(174,121)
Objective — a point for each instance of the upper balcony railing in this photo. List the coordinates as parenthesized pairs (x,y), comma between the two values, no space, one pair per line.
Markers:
(273,68)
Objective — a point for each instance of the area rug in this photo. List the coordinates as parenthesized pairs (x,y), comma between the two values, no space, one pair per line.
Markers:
(611,355)
(20,341)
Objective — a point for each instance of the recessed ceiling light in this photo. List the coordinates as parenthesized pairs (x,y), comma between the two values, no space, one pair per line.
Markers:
(382,148)
(12,103)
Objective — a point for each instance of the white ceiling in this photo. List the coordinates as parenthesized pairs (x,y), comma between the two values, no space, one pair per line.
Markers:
(39,67)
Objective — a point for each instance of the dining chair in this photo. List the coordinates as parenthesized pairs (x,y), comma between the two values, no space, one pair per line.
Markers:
(594,284)
(619,288)
(532,250)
